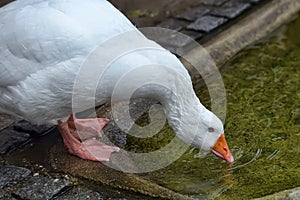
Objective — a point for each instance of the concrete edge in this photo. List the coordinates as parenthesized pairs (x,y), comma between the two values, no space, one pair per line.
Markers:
(245,32)
(292,194)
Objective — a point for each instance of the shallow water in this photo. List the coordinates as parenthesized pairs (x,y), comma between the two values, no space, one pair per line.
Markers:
(262,127)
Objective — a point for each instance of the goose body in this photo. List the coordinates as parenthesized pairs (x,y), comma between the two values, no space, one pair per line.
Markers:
(44,43)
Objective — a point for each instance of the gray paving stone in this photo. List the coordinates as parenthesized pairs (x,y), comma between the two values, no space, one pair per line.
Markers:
(11,140)
(212,2)
(5,196)
(178,41)
(41,188)
(230,9)
(193,34)
(18,134)
(33,130)
(193,14)
(172,40)
(6,120)
(80,194)
(206,23)
(172,24)
(255,1)
(11,175)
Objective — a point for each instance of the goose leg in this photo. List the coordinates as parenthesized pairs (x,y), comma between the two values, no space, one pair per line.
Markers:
(79,138)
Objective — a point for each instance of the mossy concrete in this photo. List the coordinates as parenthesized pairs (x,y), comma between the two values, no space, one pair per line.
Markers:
(62,161)
(293,194)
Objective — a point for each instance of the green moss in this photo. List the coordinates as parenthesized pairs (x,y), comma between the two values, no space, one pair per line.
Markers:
(262,127)
(262,107)
(144,145)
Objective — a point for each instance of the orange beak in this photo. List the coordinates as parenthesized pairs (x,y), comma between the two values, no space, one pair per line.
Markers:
(221,149)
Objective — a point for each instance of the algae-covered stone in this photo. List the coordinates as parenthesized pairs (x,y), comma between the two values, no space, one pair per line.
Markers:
(41,187)
(10,175)
(79,194)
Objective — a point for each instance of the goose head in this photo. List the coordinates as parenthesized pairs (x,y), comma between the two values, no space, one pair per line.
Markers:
(211,137)
(200,128)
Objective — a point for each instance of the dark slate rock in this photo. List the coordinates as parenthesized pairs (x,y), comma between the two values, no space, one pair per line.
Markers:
(178,43)
(192,34)
(172,40)
(178,40)
(80,194)
(140,106)
(171,24)
(10,175)
(255,1)
(111,130)
(193,14)
(212,2)
(158,34)
(19,133)
(206,23)
(11,140)
(230,9)
(6,196)
(6,120)
(33,130)
(41,188)
(115,134)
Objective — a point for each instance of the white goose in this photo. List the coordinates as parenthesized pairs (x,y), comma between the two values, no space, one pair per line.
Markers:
(43,43)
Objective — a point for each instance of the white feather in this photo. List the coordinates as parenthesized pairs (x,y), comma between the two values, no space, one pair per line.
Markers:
(43,43)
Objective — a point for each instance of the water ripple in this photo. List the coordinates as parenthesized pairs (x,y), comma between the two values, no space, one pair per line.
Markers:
(258,153)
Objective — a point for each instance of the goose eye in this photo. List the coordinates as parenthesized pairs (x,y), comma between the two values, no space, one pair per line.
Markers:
(210,129)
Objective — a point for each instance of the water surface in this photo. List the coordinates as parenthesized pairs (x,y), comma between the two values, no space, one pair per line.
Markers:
(262,126)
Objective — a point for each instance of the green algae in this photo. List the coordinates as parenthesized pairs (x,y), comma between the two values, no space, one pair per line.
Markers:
(263,97)
(262,127)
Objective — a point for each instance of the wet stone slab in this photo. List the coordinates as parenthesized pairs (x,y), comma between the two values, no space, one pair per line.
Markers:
(6,196)
(33,130)
(206,23)
(252,1)
(212,2)
(19,134)
(171,24)
(174,41)
(181,40)
(230,9)
(103,175)
(6,120)
(11,175)
(193,14)
(178,43)
(115,135)
(11,140)
(41,188)
(79,194)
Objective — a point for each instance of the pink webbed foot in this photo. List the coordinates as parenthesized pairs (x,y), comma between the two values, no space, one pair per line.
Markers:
(86,130)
